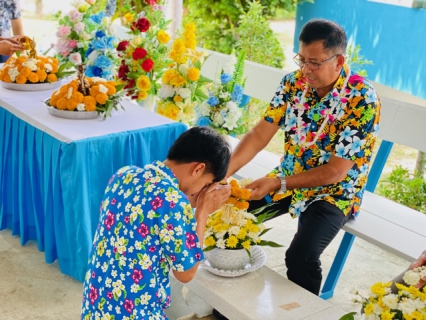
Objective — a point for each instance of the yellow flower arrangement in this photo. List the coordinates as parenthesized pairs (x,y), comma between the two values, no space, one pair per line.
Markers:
(409,303)
(182,84)
(97,94)
(232,227)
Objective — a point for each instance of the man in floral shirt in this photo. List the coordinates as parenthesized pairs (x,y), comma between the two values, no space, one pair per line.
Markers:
(10,17)
(330,117)
(147,228)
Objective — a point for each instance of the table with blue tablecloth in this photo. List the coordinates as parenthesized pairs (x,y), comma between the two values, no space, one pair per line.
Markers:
(54,170)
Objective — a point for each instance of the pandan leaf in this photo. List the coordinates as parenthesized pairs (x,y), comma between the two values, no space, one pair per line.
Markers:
(237,77)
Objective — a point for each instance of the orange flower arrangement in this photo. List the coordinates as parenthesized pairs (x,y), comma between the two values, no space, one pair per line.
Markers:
(25,69)
(239,196)
(87,94)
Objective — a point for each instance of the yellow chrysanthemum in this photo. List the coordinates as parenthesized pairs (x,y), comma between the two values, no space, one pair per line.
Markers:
(193,74)
(128,17)
(210,241)
(231,242)
(163,37)
(143,83)
(246,244)
(242,234)
(142,95)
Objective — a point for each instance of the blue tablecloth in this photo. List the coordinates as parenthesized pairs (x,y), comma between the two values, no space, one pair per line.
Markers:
(51,189)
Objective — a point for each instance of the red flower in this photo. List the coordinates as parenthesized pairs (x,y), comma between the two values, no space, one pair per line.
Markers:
(147,65)
(122,45)
(139,53)
(151,2)
(142,25)
(122,71)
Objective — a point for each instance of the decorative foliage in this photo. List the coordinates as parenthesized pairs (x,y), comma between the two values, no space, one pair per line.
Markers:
(408,303)
(233,228)
(183,86)
(222,110)
(144,55)
(87,94)
(86,38)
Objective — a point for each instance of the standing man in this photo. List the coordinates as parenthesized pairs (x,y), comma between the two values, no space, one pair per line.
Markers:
(330,117)
(147,228)
(10,18)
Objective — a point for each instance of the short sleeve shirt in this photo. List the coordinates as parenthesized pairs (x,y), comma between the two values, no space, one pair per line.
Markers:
(9,10)
(147,227)
(351,115)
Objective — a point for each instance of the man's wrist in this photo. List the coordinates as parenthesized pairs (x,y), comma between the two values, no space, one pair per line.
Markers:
(283,184)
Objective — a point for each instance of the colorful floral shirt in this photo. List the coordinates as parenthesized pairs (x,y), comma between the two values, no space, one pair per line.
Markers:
(353,115)
(146,228)
(9,10)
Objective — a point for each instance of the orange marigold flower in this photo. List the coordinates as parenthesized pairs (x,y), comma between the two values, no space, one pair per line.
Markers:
(71,104)
(62,104)
(33,77)
(20,79)
(94,91)
(42,75)
(177,98)
(25,71)
(77,96)
(90,103)
(111,89)
(143,83)
(101,98)
(52,78)
(242,205)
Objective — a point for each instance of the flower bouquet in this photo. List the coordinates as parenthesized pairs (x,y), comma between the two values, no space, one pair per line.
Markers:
(232,227)
(144,55)
(408,303)
(85,98)
(30,68)
(222,110)
(85,37)
(182,84)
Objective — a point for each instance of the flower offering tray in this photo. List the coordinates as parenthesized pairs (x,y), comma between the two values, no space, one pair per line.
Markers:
(258,258)
(31,86)
(75,115)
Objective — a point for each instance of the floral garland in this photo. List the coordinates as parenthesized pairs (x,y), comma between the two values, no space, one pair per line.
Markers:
(222,110)
(182,85)
(144,56)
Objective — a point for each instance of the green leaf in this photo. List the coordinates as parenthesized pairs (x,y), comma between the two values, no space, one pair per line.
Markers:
(269,243)
(237,77)
(349,316)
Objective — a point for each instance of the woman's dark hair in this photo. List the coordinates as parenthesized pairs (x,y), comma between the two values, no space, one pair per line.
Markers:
(202,144)
(330,33)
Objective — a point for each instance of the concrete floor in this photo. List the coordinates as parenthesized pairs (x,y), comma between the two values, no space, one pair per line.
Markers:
(32,289)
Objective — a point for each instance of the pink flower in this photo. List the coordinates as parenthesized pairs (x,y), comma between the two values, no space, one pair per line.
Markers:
(157,203)
(91,2)
(72,44)
(128,304)
(63,31)
(74,15)
(157,7)
(143,230)
(137,275)
(93,294)
(79,26)
(75,58)
(190,241)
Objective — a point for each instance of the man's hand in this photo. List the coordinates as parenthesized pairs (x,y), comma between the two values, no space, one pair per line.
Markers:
(263,186)
(212,198)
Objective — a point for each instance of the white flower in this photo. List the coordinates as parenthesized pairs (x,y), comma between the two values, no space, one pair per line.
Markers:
(75,58)
(234,230)
(204,109)
(220,243)
(229,67)
(218,119)
(31,64)
(78,27)
(81,107)
(13,73)
(48,67)
(184,92)
(103,89)
(391,301)
(92,57)
(183,68)
(69,93)
(166,91)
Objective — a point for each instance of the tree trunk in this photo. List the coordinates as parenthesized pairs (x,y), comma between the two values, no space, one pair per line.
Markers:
(420,163)
(38,8)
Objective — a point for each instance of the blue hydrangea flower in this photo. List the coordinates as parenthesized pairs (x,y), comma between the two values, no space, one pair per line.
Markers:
(103,62)
(93,71)
(97,18)
(100,34)
(225,78)
(203,122)
(213,101)
(237,93)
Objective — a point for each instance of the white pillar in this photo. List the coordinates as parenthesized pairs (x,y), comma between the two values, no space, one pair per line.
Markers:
(174,11)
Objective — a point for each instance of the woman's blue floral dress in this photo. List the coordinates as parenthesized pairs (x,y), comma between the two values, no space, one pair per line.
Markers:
(9,10)
(147,227)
